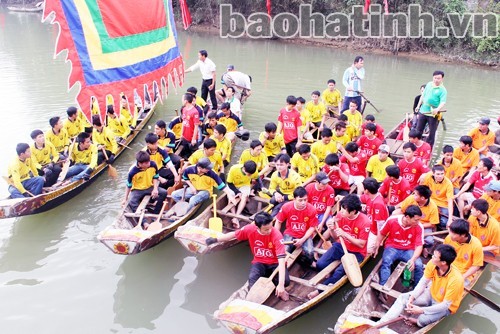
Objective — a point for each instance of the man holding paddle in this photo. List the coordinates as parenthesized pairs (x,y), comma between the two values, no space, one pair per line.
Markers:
(266,244)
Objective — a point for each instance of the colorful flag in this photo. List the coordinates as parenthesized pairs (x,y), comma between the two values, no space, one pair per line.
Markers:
(117,46)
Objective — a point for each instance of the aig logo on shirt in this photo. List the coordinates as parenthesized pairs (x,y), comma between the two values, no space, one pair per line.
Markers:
(262,252)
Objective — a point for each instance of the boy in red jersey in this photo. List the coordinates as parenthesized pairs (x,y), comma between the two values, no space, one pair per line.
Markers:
(411,167)
(356,160)
(301,222)
(354,227)
(395,188)
(290,123)
(480,178)
(338,174)
(322,196)
(190,124)
(370,119)
(424,150)
(266,244)
(369,142)
(404,243)
(376,210)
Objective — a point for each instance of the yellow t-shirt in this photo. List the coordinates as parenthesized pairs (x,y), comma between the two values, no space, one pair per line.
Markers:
(468,160)
(355,120)
(320,150)
(60,141)
(203,182)
(238,178)
(377,167)
(106,138)
(454,170)
(441,192)
(73,128)
(343,140)
(494,206)
(479,139)
(260,160)
(468,254)
(272,147)
(286,185)
(19,171)
(331,98)
(449,287)
(225,147)
(305,168)
(305,117)
(118,126)
(430,213)
(86,157)
(216,159)
(316,111)
(45,155)
(488,235)
(142,179)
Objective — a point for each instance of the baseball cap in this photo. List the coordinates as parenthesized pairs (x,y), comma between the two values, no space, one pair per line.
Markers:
(230,67)
(384,148)
(493,186)
(205,163)
(321,177)
(484,120)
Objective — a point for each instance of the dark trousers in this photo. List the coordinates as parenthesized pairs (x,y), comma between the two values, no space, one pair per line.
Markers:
(347,100)
(291,148)
(433,124)
(136,197)
(259,270)
(51,173)
(205,91)
(100,156)
(333,254)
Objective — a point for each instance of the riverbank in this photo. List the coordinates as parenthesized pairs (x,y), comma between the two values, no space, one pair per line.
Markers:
(364,46)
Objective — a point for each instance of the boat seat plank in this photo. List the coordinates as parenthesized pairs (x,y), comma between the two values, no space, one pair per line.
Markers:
(228,207)
(308,283)
(143,204)
(232,215)
(394,276)
(260,199)
(323,273)
(392,293)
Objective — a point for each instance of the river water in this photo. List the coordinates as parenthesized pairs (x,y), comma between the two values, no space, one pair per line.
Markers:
(55,276)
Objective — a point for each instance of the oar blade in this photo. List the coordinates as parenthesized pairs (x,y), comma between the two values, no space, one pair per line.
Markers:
(261,290)
(357,330)
(112,172)
(155,226)
(215,224)
(352,269)
(181,208)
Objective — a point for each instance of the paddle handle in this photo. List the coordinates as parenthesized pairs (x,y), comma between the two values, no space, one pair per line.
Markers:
(214,198)
(320,235)
(342,241)
(161,211)
(387,323)
(104,152)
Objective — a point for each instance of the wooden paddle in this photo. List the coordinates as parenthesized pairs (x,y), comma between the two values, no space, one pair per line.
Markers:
(111,169)
(67,163)
(362,328)
(351,265)
(406,130)
(327,244)
(156,225)
(215,223)
(484,299)
(181,208)
(264,287)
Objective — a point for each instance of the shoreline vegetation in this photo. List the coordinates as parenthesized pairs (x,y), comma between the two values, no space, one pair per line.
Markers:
(482,51)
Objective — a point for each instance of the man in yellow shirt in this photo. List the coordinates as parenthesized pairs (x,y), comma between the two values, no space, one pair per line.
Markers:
(118,125)
(255,153)
(239,180)
(492,196)
(283,182)
(224,145)
(339,134)
(355,118)
(305,163)
(482,136)
(325,146)
(84,158)
(58,136)
(73,124)
(105,140)
(209,151)
(317,111)
(437,295)
(442,193)
(23,175)
(274,144)
(485,227)
(46,158)
(377,163)
(452,167)
(332,98)
(469,249)
(467,155)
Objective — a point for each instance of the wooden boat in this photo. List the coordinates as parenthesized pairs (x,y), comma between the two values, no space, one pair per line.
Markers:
(17,207)
(37,8)
(367,307)
(193,234)
(126,238)
(241,316)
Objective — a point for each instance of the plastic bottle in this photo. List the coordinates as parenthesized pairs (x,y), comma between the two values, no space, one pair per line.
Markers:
(406,277)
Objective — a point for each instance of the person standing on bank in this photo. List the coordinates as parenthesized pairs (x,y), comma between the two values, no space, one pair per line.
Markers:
(352,82)
(207,69)
(430,105)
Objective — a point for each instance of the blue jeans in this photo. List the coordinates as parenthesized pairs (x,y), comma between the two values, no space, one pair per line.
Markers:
(78,172)
(442,219)
(348,99)
(259,270)
(428,240)
(335,253)
(307,248)
(34,185)
(193,199)
(392,255)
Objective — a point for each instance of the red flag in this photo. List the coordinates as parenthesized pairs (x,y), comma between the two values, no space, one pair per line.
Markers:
(186,15)
(268,5)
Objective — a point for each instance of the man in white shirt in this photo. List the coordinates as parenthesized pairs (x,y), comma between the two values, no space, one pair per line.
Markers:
(352,78)
(207,69)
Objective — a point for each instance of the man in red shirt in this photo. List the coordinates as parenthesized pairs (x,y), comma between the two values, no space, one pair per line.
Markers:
(370,119)
(338,174)
(322,196)
(404,243)
(356,160)
(290,123)
(424,150)
(353,226)
(266,244)
(411,167)
(376,210)
(190,124)
(395,188)
(480,178)
(369,142)
(301,222)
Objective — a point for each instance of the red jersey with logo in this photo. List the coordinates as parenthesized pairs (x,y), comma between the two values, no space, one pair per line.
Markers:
(376,211)
(379,132)
(479,183)
(424,151)
(335,180)
(358,227)
(357,168)
(400,237)
(190,118)
(399,190)
(265,248)
(412,171)
(297,221)
(291,122)
(320,199)
(369,146)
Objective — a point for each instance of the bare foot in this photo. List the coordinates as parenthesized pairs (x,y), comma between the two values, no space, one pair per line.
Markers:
(235,222)
(312,294)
